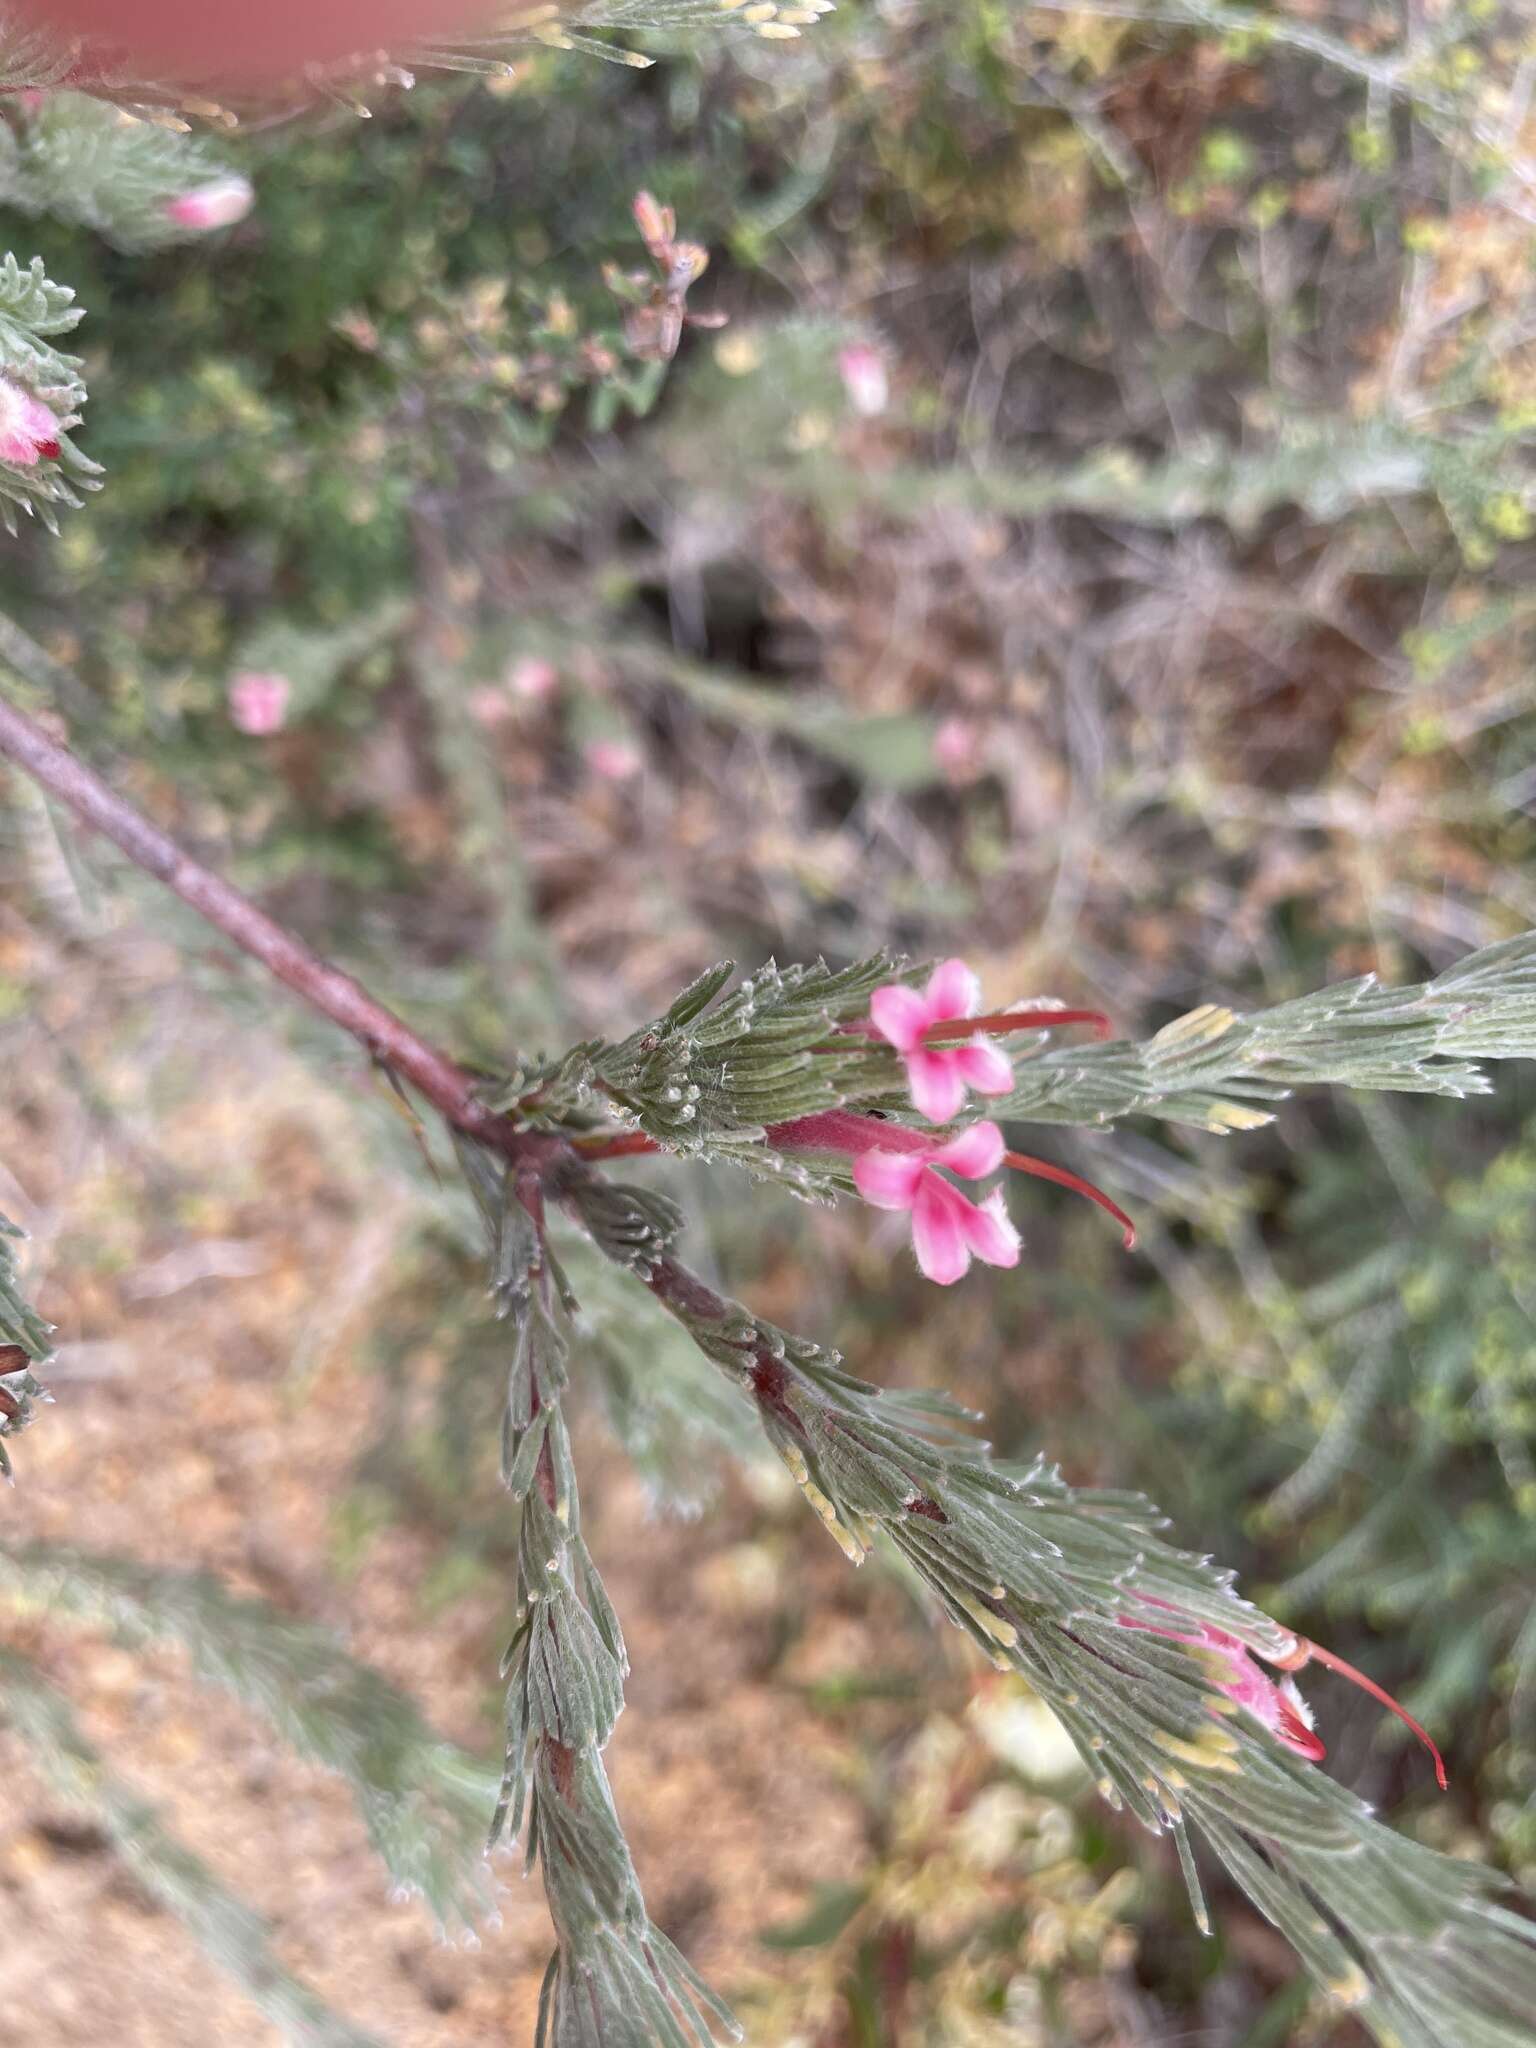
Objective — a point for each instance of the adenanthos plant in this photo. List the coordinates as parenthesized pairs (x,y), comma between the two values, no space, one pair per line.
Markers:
(828,1083)
(1180,1695)
(41,393)
(24,1342)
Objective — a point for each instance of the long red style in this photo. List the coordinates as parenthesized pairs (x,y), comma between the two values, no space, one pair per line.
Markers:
(1000,1022)
(1041,1169)
(1313,1653)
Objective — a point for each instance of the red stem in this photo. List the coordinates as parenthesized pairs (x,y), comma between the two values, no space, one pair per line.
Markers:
(827,1130)
(844,1130)
(441,1080)
(614,1145)
(998,1023)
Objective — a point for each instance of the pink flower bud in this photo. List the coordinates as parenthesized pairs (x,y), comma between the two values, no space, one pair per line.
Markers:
(487,705)
(862,369)
(657,225)
(1276,1703)
(218,204)
(957,747)
(28,430)
(613,760)
(258,704)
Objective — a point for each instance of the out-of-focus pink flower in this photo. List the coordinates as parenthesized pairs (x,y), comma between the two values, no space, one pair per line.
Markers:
(946,1229)
(957,746)
(28,430)
(532,678)
(488,705)
(218,204)
(862,369)
(1276,1703)
(613,760)
(258,704)
(938,1076)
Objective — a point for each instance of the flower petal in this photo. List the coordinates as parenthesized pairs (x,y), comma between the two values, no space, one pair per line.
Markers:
(938,1230)
(989,1233)
(937,1085)
(985,1066)
(1237,1675)
(28,428)
(900,1015)
(1293,1724)
(888,1180)
(1275,1704)
(952,991)
(973,1154)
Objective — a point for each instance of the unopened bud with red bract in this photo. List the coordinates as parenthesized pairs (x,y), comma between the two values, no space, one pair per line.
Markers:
(29,432)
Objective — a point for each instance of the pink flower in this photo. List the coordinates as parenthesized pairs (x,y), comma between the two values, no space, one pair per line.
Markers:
(899,1186)
(613,760)
(893,1169)
(957,747)
(28,429)
(946,1228)
(938,1076)
(218,204)
(532,678)
(487,705)
(862,369)
(1276,1704)
(258,704)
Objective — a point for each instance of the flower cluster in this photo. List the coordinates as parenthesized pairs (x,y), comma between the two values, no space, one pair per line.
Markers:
(893,1165)
(895,1168)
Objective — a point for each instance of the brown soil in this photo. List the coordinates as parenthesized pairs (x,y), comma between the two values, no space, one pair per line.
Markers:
(185,1435)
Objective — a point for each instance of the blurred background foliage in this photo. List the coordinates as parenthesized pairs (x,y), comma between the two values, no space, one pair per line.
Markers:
(1161,631)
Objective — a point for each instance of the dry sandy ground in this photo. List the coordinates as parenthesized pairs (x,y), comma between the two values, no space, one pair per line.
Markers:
(180,1437)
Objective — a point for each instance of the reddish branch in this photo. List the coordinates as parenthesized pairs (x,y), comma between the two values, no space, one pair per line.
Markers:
(441,1080)
(390,1041)
(325,988)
